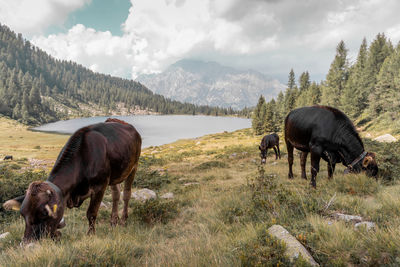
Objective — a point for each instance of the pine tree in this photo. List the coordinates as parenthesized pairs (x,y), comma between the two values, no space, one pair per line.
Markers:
(386,97)
(291,92)
(269,120)
(259,116)
(354,96)
(336,78)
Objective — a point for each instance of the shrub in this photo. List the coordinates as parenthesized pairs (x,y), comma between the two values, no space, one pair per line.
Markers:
(147,178)
(210,165)
(155,210)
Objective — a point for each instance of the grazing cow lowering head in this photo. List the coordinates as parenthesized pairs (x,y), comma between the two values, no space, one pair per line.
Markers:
(96,156)
(269,141)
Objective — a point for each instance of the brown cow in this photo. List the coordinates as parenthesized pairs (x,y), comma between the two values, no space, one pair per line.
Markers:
(94,157)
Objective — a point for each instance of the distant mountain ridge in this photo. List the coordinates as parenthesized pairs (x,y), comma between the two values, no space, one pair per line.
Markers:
(209,83)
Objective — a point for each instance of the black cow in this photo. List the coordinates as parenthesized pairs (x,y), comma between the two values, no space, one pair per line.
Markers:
(8,157)
(269,141)
(94,157)
(329,134)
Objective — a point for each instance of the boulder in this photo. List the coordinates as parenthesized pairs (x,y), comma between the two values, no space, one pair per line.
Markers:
(144,194)
(293,247)
(168,195)
(367,225)
(348,218)
(191,183)
(4,235)
(387,138)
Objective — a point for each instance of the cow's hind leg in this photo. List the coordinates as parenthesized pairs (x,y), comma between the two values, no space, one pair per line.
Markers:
(303,161)
(290,158)
(127,195)
(93,209)
(115,192)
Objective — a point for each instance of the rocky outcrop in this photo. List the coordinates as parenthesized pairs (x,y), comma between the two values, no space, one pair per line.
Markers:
(386,138)
(293,247)
(144,194)
(168,195)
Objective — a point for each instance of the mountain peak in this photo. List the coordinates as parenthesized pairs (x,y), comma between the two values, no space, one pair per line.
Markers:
(210,83)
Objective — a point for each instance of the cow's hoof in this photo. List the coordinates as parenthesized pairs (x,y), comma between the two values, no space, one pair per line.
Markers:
(114,221)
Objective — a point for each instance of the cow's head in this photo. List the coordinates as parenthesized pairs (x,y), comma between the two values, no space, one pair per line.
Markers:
(369,165)
(42,209)
(263,154)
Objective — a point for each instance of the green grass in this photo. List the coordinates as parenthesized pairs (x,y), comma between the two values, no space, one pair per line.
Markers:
(221,220)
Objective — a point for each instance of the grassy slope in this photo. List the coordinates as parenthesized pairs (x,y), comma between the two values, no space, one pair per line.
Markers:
(218,215)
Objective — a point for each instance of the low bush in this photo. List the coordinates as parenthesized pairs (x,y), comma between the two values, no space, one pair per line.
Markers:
(155,210)
(210,165)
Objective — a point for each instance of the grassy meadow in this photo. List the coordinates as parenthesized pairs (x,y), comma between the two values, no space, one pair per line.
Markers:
(223,203)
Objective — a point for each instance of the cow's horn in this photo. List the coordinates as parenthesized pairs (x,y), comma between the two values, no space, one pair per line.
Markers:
(51,213)
(12,204)
(48,192)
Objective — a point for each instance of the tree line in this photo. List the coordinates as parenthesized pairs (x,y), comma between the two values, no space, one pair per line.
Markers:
(33,85)
(367,90)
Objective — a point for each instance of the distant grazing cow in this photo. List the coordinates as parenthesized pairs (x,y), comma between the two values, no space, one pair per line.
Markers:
(8,157)
(94,157)
(328,134)
(269,141)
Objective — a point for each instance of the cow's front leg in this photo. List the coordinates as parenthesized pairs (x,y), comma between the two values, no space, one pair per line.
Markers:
(93,209)
(331,169)
(276,153)
(315,158)
(279,152)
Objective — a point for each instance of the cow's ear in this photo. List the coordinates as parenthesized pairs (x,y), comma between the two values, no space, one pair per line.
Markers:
(12,204)
(366,161)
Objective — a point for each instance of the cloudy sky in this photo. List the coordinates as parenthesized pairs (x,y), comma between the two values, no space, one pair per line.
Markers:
(126,38)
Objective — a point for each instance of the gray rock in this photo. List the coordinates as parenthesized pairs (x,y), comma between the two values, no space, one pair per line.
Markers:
(367,225)
(387,138)
(168,195)
(144,194)
(189,184)
(293,247)
(103,205)
(348,218)
(4,235)
(233,155)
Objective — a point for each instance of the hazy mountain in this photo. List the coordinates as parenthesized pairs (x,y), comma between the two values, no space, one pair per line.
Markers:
(209,83)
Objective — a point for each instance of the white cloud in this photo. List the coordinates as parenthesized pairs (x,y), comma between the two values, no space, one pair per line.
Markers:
(269,35)
(33,17)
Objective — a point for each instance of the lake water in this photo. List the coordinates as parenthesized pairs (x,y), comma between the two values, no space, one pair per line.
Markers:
(158,129)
